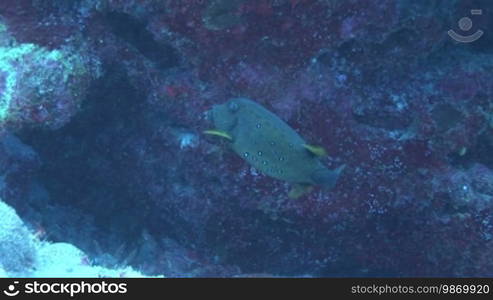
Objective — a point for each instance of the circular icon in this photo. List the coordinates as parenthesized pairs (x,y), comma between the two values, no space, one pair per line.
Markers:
(465,24)
(10,291)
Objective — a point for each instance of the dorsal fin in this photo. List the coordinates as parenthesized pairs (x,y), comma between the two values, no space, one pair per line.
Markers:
(315,150)
(219,133)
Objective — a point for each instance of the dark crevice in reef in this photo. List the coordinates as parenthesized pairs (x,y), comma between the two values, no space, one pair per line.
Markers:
(135,33)
(83,169)
(479,153)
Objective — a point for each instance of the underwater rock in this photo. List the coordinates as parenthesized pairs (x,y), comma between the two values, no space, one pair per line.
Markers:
(41,87)
(222,14)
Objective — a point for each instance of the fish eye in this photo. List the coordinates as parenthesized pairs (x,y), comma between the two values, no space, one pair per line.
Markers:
(233,106)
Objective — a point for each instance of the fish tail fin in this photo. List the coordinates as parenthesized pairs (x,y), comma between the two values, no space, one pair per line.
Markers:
(327,178)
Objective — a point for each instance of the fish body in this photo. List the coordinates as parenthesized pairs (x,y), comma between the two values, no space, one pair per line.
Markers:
(270,145)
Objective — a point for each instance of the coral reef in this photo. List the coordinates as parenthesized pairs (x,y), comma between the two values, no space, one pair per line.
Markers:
(22,254)
(41,87)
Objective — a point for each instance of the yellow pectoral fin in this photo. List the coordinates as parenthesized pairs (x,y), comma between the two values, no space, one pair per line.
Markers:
(218,133)
(299,190)
(315,150)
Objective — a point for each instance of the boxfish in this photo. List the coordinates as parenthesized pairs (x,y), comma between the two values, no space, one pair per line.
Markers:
(271,146)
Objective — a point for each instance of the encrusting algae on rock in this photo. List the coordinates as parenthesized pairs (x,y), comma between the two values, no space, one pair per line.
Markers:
(271,146)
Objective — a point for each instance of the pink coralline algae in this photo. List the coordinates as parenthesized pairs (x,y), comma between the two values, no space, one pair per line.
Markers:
(41,87)
(114,102)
